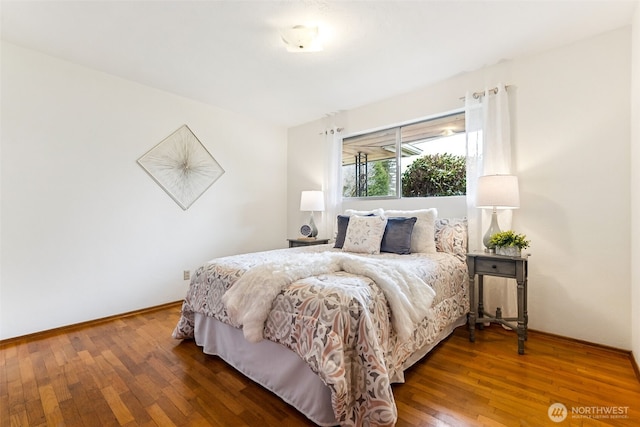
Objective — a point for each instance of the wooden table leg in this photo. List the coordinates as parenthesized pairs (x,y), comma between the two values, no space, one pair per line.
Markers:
(522,330)
(472,308)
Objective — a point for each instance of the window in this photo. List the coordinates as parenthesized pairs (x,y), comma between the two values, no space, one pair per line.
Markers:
(422,159)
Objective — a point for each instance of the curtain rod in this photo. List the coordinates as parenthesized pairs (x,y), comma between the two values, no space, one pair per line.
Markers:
(479,94)
(328,131)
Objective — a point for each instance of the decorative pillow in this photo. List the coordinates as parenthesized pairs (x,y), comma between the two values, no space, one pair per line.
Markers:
(364,234)
(343,222)
(422,238)
(451,236)
(397,235)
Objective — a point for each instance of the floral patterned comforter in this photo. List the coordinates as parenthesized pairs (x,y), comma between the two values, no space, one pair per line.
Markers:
(339,324)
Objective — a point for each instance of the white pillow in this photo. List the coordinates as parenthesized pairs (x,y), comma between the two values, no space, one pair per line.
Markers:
(364,234)
(423,235)
(374,212)
(341,228)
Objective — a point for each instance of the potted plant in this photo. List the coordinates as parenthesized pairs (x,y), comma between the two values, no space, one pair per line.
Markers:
(509,243)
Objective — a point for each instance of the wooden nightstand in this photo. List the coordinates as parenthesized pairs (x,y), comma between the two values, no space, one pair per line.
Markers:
(294,243)
(485,264)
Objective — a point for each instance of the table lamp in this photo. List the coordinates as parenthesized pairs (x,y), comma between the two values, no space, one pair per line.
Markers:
(311,201)
(496,192)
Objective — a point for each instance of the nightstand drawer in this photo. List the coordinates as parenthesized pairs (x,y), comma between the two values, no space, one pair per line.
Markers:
(499,267)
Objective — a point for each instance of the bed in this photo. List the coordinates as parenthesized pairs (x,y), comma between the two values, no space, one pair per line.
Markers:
(329,328)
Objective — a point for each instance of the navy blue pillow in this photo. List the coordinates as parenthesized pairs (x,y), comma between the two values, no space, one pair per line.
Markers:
(397,235)
(343,222)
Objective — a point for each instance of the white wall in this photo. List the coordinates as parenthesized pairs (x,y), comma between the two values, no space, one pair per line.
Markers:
(635,184)
(86,233)
(572,140)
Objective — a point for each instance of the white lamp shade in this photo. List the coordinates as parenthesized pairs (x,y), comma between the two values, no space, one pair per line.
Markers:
(312,201)
(498,191)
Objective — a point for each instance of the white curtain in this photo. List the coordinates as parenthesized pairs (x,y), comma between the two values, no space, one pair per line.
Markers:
(332,185)
(488,127)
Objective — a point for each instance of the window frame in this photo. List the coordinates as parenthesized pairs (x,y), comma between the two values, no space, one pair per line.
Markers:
(398,151)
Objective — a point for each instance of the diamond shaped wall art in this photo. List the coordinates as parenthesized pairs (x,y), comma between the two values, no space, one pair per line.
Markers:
(182,166)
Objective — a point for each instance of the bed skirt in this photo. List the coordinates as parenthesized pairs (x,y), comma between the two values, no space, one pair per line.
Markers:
(279,369)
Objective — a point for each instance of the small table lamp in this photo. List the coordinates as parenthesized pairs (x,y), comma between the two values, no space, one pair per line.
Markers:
(312,201)
(496,192)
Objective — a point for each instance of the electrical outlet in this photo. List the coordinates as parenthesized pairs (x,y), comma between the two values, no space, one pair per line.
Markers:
(186,275)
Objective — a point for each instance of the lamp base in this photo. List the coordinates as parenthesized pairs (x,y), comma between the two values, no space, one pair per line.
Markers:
(314,229)
(493,229)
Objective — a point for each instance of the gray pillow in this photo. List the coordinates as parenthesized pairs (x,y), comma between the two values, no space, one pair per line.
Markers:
(397,235)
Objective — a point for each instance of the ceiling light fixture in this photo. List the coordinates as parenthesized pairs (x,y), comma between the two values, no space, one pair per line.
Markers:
(302,38)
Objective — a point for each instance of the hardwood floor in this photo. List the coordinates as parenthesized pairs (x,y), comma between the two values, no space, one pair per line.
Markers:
(129,372)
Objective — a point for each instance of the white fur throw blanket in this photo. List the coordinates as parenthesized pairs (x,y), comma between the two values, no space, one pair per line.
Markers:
(249,300)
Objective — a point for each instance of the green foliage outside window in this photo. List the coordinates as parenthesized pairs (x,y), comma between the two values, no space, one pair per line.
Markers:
(380,179)
(435,175)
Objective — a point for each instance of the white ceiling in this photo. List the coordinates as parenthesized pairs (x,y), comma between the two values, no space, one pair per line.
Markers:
(229,53)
